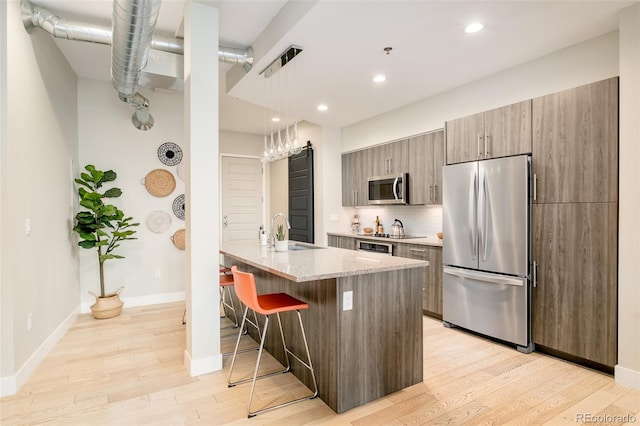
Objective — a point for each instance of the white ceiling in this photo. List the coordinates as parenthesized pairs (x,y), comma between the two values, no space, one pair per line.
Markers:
(343,44)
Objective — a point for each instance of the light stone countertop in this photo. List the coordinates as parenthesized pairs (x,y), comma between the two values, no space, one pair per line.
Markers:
(429,241)
(314,264)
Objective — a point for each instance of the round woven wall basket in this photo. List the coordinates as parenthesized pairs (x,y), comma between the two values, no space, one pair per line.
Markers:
(160,182)
(178,239)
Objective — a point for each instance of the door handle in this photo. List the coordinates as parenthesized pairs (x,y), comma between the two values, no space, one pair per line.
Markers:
(485,216)
(486,151)
(483,276)
(225,223)
(395,188)
(472,214)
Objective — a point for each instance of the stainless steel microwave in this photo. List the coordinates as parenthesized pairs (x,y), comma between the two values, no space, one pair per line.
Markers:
(388,189)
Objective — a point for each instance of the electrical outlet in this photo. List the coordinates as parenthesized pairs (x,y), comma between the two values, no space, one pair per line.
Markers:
(347,300)
(29,322)
(158,273)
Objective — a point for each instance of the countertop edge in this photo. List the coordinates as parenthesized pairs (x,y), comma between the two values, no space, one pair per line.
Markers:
(434,242)
(378,263)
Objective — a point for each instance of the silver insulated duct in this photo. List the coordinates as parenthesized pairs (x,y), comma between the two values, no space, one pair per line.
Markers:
(130,38)
(133,25)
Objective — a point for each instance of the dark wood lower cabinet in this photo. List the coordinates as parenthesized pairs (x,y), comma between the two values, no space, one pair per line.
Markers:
(432,288)
(575,301)
(341,242)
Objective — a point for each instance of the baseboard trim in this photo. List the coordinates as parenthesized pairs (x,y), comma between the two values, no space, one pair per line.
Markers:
(198,367)
(627,377)
(10,385)
(152,299)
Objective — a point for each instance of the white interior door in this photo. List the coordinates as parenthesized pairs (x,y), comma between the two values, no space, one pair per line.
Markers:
(241,198)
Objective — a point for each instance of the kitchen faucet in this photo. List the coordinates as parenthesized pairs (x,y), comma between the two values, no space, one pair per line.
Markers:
(272,237)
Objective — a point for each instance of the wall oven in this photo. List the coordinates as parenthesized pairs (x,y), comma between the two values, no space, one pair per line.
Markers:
(388,189)
(375,247)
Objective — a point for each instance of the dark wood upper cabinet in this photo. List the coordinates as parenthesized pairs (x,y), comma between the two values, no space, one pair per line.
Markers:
(575,144)
(426,158)
(500,132)
(390,158)
(354,178)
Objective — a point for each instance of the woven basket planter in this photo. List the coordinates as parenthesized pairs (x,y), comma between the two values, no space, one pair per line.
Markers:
(107,307)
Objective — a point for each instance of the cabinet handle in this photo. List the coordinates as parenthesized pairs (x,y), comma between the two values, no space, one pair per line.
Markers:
(431,193)
(535,187)
(478,143)
(418,250)
(390,165)
(486,151)
(535,274)
(435,193)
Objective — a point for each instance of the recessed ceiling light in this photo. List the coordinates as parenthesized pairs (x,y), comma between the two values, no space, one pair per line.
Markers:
(473,27)
(379,78)
(275,119)
(322,107)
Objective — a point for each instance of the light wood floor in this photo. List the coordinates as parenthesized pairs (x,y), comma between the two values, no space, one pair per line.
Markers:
(129,371)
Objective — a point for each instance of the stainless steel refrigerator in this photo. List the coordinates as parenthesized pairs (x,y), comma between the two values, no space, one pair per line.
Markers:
(487,248)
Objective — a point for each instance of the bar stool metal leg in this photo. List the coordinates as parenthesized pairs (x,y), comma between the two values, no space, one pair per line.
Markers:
(308,365)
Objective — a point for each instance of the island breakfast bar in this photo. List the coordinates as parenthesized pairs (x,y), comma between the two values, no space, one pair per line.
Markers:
(359,354)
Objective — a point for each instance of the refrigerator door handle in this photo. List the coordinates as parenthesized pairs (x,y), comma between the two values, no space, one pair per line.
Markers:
(472,214)
(480,276)
(485,216)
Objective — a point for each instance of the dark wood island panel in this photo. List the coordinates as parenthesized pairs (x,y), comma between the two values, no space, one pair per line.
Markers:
(361,354)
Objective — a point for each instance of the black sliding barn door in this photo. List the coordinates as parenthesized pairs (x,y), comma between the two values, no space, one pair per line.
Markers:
(301,195)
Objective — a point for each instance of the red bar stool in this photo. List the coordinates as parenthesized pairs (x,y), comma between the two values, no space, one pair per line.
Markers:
(226,280)
(268,304)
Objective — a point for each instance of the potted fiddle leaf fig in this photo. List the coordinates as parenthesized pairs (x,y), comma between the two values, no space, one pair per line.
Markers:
(281,244)
(102,227)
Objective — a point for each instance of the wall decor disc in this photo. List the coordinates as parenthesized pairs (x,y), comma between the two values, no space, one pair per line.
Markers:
(178,239)
(158,221)
(159,182)
(170,154)
(178,206)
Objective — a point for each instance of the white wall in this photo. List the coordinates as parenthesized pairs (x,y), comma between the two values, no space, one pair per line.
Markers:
(235,143)
(583,63)
(39,271)
(628,368)
(108,140)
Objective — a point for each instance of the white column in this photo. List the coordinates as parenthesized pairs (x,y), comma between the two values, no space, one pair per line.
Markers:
(202,354)
(627,372)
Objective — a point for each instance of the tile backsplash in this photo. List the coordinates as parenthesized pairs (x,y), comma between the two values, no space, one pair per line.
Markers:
(424,221)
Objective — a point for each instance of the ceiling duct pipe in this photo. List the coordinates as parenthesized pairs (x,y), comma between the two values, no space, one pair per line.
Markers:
(133,25)
(38,17)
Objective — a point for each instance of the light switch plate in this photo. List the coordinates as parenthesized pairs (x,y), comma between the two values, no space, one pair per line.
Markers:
(347,300)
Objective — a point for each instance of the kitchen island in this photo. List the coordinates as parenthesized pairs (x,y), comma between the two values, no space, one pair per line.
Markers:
(359,354)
